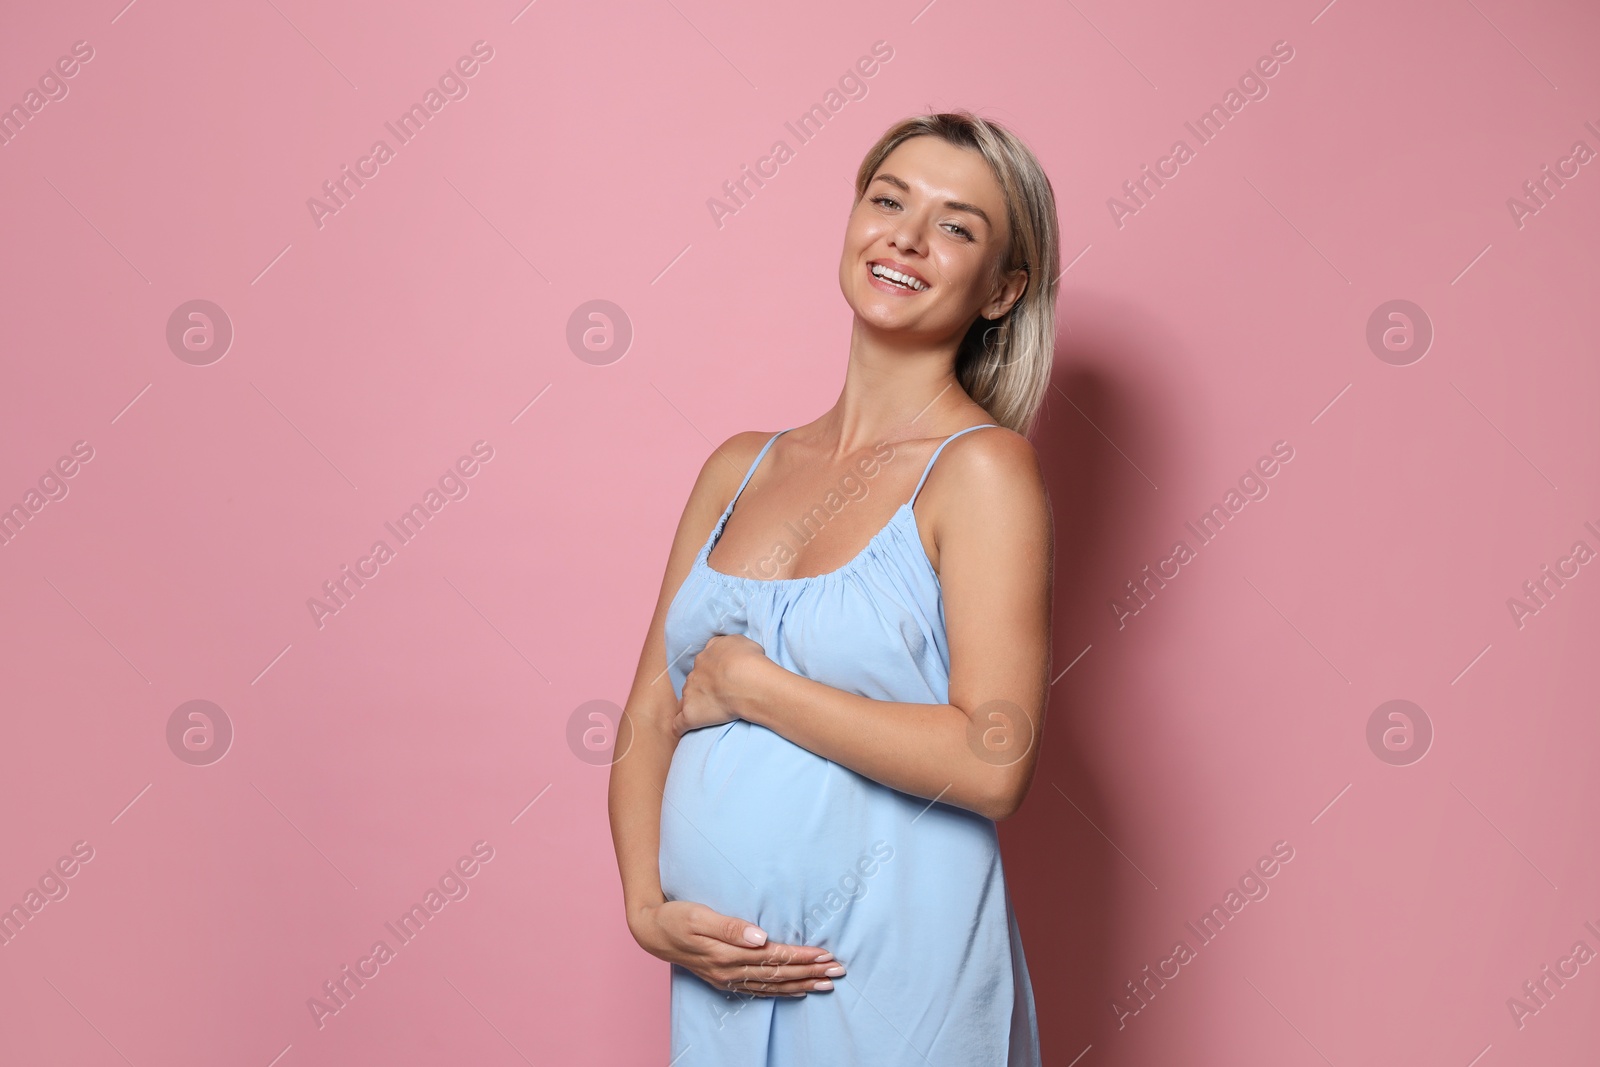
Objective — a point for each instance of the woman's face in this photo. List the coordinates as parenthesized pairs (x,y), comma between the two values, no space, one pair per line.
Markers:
(935,212)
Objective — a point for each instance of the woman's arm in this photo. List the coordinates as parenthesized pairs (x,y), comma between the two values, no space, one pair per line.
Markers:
(995,542)
(725,950)
(644,736)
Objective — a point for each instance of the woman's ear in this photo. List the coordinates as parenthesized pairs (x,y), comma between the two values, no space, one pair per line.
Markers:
(1010,293)
(1016,283)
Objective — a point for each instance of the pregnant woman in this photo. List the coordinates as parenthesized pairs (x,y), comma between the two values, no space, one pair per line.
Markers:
(844,688)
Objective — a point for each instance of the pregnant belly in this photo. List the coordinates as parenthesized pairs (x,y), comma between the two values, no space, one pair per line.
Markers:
(757,827)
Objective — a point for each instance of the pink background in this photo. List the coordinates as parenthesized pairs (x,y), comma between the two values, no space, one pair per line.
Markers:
(432,712)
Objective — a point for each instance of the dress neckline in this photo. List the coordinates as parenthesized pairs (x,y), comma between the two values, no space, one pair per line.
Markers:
(703,560)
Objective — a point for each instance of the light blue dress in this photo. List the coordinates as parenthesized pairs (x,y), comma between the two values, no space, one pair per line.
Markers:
(909,894)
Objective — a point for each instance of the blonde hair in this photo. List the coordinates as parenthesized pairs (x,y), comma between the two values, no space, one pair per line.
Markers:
(1004,365)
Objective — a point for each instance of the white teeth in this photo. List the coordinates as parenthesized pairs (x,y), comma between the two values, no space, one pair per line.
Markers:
(895,276)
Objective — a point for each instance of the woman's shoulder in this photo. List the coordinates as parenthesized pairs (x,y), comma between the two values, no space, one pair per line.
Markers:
(740,450)
(725,466)
(994,453)
(989,504)
(995,471)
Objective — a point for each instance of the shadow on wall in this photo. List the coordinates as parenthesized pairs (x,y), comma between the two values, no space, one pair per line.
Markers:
(1059,869)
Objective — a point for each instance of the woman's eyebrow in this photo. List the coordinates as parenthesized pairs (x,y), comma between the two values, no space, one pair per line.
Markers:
(954,205)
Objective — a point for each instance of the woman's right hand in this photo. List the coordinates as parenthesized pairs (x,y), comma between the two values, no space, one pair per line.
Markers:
(719,950)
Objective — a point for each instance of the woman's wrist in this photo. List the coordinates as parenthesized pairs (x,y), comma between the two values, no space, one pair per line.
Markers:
(755,690)
(639,912)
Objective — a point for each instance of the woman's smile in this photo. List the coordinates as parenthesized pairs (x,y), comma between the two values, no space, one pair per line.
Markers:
(894,278)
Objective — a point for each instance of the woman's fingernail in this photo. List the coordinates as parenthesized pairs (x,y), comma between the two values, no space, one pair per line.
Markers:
(824,984)
(755,935)
(824,958)
(834,972)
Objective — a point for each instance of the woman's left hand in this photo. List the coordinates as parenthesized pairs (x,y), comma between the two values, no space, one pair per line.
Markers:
(719,679)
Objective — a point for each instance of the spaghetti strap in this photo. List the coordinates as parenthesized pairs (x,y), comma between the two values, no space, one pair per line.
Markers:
(935,456)
(759,457)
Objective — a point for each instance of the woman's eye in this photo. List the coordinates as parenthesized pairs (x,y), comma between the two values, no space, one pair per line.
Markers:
(955,226)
